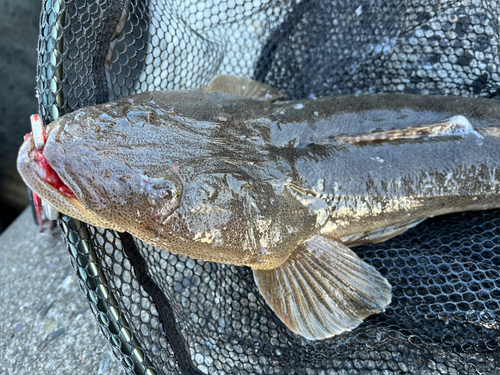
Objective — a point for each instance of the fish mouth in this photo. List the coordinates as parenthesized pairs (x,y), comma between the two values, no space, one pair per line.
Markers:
(48,174)
(43,179)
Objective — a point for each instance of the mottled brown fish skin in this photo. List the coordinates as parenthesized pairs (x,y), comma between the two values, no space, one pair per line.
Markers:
(251,181)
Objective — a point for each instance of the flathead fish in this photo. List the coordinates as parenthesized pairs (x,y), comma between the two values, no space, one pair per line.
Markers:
(228,174)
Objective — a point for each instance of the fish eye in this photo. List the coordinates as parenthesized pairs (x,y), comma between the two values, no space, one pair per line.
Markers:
(140,113)
(155,195)
(161,191)
(166,194)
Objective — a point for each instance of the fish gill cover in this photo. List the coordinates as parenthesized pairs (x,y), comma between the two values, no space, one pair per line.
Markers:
(165,313)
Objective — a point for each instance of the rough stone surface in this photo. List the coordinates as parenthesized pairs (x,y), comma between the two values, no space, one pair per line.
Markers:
(46,326)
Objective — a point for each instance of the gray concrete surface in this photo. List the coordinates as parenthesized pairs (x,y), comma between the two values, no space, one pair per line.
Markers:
(46,326)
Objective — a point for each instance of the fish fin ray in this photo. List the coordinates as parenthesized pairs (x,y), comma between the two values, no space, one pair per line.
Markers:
(323,289)
(243,86)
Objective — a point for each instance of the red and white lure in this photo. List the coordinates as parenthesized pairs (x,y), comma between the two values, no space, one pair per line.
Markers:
(45,171)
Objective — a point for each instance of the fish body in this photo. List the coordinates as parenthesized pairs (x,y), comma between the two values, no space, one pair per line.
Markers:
(282,187)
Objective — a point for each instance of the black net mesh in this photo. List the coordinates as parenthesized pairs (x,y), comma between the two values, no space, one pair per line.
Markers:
(166,313)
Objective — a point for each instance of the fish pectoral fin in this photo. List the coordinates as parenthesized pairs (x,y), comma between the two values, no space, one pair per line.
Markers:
(243,86)
(323,289)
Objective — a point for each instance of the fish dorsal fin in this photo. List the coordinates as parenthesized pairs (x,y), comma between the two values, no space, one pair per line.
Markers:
(323,289)
(456,126)
(243,86)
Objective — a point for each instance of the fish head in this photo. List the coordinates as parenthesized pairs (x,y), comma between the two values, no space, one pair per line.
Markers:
(81,173)
(111,165)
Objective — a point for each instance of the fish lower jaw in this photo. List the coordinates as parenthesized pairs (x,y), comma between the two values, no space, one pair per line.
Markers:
(70,206)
